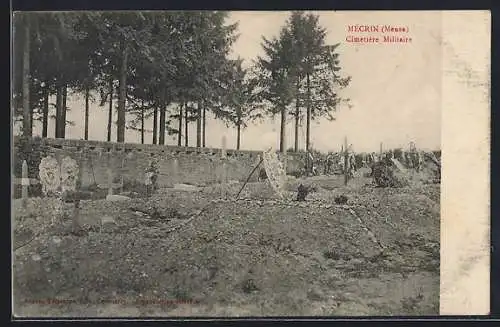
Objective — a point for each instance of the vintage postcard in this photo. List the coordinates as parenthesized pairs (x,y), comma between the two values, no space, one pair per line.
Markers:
(250,164)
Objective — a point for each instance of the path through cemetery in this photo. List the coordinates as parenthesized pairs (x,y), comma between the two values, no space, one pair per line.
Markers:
(189,251)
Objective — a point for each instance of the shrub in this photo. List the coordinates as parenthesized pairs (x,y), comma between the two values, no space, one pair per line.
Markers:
(249,286)
(384,176)
(398,154)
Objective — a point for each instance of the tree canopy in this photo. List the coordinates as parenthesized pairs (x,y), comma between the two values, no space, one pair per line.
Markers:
(172,67)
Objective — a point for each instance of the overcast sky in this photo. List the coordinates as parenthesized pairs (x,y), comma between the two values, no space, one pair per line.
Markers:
(395,88)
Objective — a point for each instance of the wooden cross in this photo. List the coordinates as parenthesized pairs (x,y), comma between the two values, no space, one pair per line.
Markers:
(25,182)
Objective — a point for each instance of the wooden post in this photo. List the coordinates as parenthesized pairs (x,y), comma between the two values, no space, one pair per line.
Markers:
(381,150)
(25,182)
(346,162)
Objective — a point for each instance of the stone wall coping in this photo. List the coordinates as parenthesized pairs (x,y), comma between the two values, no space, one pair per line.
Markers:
(74,143)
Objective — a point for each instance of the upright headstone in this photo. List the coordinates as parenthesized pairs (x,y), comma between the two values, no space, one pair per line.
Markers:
(151,177)
(49,174)
(69,174)
(274,171)
(25,182)
(175,169)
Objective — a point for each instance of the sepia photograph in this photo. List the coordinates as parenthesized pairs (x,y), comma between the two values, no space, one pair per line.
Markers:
(226,163)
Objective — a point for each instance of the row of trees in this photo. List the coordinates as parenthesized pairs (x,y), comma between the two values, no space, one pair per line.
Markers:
(171,67)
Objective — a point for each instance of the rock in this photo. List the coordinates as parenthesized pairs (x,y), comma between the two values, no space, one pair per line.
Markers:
(315,294)
(107,220)
(355,261)
(185,187)
(114,197)
(56,240)
(36,257)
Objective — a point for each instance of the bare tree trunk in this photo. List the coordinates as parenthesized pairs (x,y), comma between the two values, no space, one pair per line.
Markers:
(45,112)
(142,122)
(204,125)
(155,125)
(120,128)
(186,124)
(87,95)
(110,113)
(198,125)
(308,123)
(59,110)
(282,131)
(64,111)
(238,136)
(179,136)
(297,118)
(163,111)
(27,128)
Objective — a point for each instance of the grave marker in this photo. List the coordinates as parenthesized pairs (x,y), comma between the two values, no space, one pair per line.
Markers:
(275,172)
(175,169)
(151,176)
(49,174)
(69,174)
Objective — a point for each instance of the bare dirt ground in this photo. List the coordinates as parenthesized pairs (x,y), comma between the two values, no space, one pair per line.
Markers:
(201,255)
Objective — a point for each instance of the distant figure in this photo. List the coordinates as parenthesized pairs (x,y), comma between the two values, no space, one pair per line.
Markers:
(303,191)
(352,165)
(328,164)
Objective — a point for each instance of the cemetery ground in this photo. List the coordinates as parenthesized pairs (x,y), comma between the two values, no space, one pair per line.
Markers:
(191,252)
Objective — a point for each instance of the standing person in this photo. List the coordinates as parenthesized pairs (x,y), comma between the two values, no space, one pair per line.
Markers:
(328,164)
(353,166)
